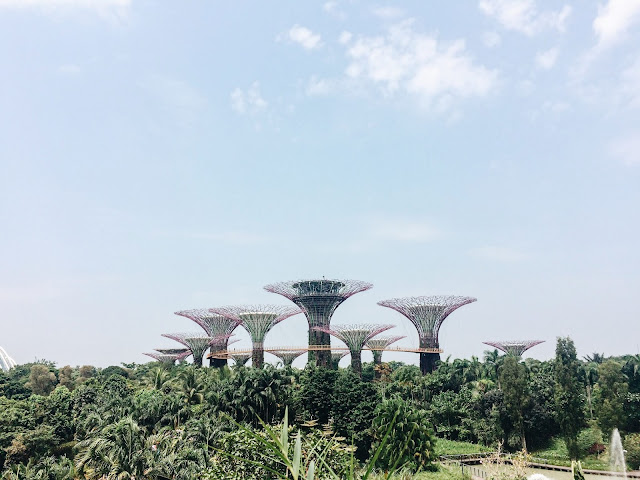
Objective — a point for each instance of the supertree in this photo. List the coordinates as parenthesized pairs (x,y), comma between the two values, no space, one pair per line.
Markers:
(515,347)
(197,342)
(287,356)
(257,320)
(183,352)
(378,344)
(427,315)
(215,325)
(318,299)
(355,337)
(166,358)
(173,351)
(240,357)
(336,357)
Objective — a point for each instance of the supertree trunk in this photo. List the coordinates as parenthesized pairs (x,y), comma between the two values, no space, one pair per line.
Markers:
(377,357)
(428,361)
(356,362)
(257,355)
(217,362)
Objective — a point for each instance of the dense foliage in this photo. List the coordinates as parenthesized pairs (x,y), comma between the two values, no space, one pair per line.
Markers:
(154,422)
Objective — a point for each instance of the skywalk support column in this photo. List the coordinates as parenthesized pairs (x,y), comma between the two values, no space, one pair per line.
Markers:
(427,314)
(319,299)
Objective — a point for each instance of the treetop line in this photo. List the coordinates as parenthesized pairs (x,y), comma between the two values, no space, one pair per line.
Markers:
(318,299)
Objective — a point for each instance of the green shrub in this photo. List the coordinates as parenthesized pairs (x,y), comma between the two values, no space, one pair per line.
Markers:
(632,446)
(411,442)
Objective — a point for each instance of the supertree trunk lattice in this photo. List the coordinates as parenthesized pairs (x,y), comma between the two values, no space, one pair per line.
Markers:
(336,357)
(287,356)
(355,337)
(427,315)
(257,320)
(514,347)
(214,325)
(197,342)
(319,299)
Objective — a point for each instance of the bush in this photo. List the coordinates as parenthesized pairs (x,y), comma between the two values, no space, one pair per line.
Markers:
(411,442)
(590,440)
(632,446)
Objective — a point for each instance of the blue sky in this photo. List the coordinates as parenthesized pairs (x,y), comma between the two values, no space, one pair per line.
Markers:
(159,156)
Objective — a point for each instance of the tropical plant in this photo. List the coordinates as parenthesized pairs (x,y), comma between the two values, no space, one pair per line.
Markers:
(410,438)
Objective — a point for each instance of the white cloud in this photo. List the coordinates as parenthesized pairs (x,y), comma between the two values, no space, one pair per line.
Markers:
(415,63)
(333,9)
(498,254)
(613,21)
(547,59)
(345,37)
(318,86)
(627,149)
(402,230)
(249,101)
(523,15)
(388,12)
(305,37)
(491,39)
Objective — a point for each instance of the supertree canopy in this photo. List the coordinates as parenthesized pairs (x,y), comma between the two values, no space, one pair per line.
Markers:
(257,320)
(287,356)
(318,299)
(173,351)
(167,358)
(197,342)
(378,344)
(355,337)
(427,314)
(514,347)
(240,357)
(215,325)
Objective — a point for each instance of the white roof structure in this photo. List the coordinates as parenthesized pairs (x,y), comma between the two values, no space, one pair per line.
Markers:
(6,362)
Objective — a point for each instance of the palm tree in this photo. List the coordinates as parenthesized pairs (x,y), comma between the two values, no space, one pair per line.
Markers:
(117,452)
(191,386)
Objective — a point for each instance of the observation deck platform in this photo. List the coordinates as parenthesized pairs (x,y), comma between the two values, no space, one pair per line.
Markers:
(227,354)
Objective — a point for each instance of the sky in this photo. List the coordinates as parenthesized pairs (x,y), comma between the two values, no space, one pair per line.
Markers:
(160,156)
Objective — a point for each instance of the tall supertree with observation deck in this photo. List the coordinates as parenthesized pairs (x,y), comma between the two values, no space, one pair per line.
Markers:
(257,320)
(378,344)
(355,337)
(427,314)
(197,342)
(319,299)
(216,326)
(287,356)
(514,347)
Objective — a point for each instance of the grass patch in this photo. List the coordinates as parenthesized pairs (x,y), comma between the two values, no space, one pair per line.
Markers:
(443,473)
(556,454)
(453,447)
